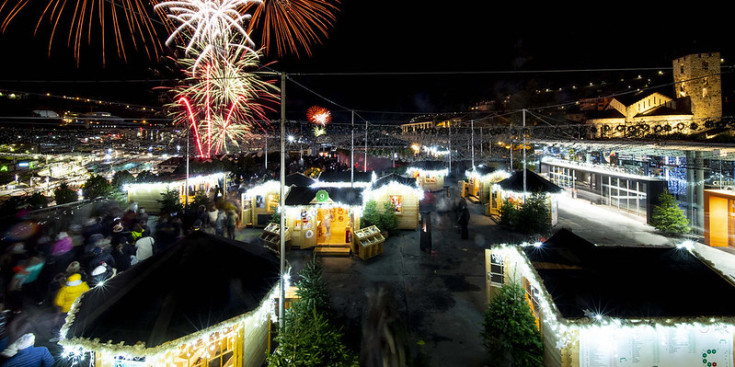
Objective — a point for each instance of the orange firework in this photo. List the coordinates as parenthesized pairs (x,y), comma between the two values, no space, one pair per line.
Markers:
(288,25)
(319,115)
(126,19)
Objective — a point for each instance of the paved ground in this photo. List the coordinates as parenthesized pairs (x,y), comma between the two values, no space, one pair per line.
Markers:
(439,297)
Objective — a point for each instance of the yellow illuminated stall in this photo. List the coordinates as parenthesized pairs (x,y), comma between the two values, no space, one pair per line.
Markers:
(323,218)
(208,301)
(429,174)
(480,181)
(405,195)
(592,312)
(511,189)
(260,202)
(149,194)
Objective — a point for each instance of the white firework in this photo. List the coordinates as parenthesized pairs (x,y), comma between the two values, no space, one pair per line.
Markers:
(208,22)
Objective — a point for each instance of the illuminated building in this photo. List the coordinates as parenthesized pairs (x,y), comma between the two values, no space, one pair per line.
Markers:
(697,103)
(429,174)
(618,305)
(205,301)
(512,189)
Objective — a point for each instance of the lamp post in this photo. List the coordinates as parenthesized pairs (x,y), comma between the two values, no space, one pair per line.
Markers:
(472,139)
(523,131)
(186,183)
(282,207)
(352,151)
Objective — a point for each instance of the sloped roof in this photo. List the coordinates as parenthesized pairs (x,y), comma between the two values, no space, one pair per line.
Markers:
(629,99)
(666,111)
(429,165)
(628,282)
(345,176)
(483,169)
(534,183)
(392,177)
(305,195)
(199,282)
(298,179)
(608,113)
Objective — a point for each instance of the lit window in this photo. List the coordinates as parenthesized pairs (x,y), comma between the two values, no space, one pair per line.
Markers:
(497,271)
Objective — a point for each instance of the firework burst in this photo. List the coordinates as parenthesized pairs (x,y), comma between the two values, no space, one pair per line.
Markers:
(319,115)
(131,20)
(208,22)
(288,25)
(225,99)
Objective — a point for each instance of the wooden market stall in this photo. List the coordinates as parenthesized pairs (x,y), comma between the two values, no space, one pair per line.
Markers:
(512,189)
(323,218)
(403,192)
(619,305)
(429,174)
(206,301)
(261,201)
(345,178)
(149,194)
(480,180)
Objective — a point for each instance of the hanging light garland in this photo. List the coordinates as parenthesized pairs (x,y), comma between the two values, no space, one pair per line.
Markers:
(567,332)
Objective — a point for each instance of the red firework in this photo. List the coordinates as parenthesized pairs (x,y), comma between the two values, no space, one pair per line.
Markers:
(318,115)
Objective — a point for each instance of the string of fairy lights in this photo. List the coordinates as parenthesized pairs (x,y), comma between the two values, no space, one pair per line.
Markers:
(490,128)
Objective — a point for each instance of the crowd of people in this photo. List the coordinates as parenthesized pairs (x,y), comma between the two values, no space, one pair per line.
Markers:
(53,270)
(51,266)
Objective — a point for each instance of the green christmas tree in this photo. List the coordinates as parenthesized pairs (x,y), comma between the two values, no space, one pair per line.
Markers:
(509,332)
(668,217)
(309,339)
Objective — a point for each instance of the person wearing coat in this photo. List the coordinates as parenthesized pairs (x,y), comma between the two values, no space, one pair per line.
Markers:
(123,254)
(144,248)
(220,223)
(463,221)
(23,353)
(69,293)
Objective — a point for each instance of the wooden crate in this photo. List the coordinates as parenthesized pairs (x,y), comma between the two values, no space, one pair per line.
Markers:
(369,242)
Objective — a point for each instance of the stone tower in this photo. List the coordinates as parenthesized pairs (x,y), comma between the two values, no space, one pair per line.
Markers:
(697,76)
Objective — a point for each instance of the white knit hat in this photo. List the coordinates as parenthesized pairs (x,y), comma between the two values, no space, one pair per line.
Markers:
(25,341)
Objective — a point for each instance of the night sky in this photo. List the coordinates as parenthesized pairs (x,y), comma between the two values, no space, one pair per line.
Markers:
(447,40)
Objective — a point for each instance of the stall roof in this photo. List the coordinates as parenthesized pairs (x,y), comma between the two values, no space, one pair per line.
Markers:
(392,177)
(199,282)
(628,282)
(429,165)
(483,169)
(343,195)
(345,176)
(298,179)
(534,183)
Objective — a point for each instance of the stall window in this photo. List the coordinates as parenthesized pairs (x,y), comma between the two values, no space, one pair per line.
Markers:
(532,297)
(397,203)
(497,271)
(273,202)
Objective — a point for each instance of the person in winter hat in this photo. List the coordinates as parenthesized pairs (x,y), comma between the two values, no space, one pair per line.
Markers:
(100,274)
(62,245)
(22,353)
(101,253)
(69,293)
(144,248)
